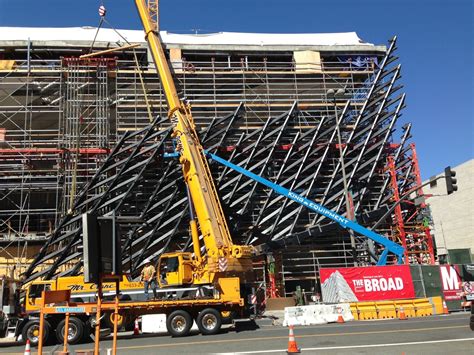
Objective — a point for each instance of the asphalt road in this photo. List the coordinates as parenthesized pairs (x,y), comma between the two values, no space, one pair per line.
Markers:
(432,335)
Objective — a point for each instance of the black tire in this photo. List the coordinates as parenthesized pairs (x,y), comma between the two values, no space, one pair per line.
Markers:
(209,321)
(129,324)
(76,331)
(179,323)
(227,317)
(31,331)
(86,337)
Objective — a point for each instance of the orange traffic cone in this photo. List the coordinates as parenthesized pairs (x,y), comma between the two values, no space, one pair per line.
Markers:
(292,347)
(401,314)
(340,318)
(27,347)
(136,329)
(445,308)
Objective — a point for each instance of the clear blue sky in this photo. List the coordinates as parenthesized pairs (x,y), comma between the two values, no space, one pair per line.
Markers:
(435,41)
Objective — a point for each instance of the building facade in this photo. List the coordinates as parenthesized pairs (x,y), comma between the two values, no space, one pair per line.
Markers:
(81,134)
(453,215)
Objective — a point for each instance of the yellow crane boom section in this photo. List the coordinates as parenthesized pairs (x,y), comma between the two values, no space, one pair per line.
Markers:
(197,175)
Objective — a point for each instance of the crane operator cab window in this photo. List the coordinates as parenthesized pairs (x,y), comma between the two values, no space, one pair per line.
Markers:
(169,271)
(35,292)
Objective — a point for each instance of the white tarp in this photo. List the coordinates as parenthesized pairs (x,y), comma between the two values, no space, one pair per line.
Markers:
(220,38)
(266,39)
(335,289)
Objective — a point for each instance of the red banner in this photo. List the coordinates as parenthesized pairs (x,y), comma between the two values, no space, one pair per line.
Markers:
(374,283)
(451,281)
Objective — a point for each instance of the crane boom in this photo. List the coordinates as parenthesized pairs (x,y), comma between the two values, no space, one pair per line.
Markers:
(197,176)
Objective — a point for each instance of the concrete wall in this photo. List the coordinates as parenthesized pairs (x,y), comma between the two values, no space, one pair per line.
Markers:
(453,215)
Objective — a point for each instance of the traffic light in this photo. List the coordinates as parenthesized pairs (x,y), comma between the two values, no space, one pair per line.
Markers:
(450,180)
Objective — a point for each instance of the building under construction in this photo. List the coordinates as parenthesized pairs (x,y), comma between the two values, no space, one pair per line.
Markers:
(311,112)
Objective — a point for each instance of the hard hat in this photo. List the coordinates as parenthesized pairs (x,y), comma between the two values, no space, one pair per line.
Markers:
(147,260)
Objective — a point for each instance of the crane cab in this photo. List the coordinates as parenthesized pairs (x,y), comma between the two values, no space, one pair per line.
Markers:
(175,269)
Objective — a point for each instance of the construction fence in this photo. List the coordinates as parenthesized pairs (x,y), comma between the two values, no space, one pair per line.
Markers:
(369,287)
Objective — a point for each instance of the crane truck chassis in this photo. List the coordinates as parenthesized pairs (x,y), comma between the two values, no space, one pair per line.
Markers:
(181,305)
(19,314)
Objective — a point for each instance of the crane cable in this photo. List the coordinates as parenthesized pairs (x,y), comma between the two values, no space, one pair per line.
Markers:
(102,11)
(140,76)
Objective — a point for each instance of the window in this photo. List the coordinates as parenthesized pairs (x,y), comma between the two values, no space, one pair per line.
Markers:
(172,264)
(37,289)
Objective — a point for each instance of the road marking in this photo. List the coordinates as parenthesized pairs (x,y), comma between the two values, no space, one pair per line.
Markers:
(353,346)
(207,342)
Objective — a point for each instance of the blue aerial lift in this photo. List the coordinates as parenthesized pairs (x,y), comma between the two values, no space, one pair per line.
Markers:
(389,246)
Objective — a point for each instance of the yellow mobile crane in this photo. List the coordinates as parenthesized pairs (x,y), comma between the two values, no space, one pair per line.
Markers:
(217,274)
(223,267)
(222,257)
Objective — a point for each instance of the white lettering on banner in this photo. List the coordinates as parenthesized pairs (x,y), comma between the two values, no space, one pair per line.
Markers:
(368,285)
(380,284)
(375,285)
(450,278)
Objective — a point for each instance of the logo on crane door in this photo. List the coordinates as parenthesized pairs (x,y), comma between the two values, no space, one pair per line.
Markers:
(223,264)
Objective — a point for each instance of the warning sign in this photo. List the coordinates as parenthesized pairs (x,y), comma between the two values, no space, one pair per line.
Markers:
(468,290)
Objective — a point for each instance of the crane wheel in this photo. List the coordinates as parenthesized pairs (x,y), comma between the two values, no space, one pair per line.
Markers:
(209,321)
(75,331)
(179,323)
(31,331)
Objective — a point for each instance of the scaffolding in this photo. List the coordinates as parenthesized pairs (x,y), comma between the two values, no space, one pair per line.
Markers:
(85,123)
(29,153)
(411,218)
(266,88)
(267,111)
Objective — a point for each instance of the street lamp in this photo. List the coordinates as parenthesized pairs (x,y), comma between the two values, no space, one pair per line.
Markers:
(333,94)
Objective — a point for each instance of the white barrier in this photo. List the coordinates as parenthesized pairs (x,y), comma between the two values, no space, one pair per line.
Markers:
(316,314)
(154,323)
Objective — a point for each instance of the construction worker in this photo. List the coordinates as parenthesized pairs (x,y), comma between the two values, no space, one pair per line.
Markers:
(148,278)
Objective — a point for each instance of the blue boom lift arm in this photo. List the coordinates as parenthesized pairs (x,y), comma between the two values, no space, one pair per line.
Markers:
(389,246)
